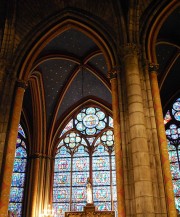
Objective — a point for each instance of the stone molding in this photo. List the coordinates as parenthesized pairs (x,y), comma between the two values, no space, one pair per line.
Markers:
(153,67)
(22,84)
(113,73)
(40,155)
(130,49)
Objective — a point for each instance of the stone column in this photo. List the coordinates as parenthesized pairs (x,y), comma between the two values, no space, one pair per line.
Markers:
(118,147)
(143,192)
(10,149)
(162,141)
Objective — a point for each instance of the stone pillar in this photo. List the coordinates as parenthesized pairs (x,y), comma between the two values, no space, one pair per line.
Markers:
(162,141)
(118,147)
(39,184)
(10,149)
(143,192)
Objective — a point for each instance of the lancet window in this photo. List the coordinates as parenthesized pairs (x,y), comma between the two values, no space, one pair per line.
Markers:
(85,149)
(172,125)
(18,177)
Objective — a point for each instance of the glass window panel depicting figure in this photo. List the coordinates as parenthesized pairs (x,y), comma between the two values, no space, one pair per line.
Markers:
(18,176)
(172,125)
(85,150)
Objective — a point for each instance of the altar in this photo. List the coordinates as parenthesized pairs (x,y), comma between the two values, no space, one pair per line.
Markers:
(90,211)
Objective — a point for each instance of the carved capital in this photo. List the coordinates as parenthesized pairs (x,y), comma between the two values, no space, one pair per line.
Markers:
(130,49)
(113,73)
(23,84)
(153,67)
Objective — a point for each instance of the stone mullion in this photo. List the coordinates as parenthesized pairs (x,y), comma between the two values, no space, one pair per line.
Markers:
(11,148)
(118,148)
(138,137)
(162,141)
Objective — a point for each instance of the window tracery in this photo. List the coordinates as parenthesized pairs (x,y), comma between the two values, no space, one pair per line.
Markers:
(18,177)
(86,149)
(172,125)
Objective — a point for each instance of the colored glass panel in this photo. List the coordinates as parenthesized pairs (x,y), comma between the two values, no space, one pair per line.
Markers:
(101,178)
(102,193)
(19,165)
(79,178)
(62,179)
(63,164)
(16,208)
(60,208)
(88,152)
(79,194)
(173,138)
(68,127)
(18,179)
(16,194)
(20,152)
(61,194)
(81,164)
(102,206)
(101,163)
(21,131)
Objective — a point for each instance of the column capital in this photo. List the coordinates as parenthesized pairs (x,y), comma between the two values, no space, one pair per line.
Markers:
(21,83)
(130,49)
(113,72)
(153,67)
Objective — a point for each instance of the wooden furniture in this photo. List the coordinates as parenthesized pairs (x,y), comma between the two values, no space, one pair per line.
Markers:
(90,211)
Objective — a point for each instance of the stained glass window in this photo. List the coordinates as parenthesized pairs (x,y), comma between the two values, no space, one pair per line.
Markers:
(86,149)
(172,125)
(18,177)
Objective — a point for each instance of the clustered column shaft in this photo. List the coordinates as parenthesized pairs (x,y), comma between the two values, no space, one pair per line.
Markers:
(162,141)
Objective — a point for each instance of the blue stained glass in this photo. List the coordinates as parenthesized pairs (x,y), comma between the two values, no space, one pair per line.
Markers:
(15,207)
(90,131)
(68,127)
(101,115)
(62,179)
(90,122)
(101,178)
(175,170)
(81,164)
(16,194)
(21,131)
(19,165)
(90,110)
(101,193)
(101,163)
(100,151)
(63,164)
(18,179)
(177,202)
(20,152)
(60,208)
(176,184)
(79,178)
(176,106)
(171,147)
(81,152)
(79,194)
(110,122)
(113,162)
(103,206)
(115,208)
(61,194)
(62,152)
(177,116)
(167,117)
(114,192)
(173,126)
(78,206)
(173,156)
(113,177)
(101,125)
